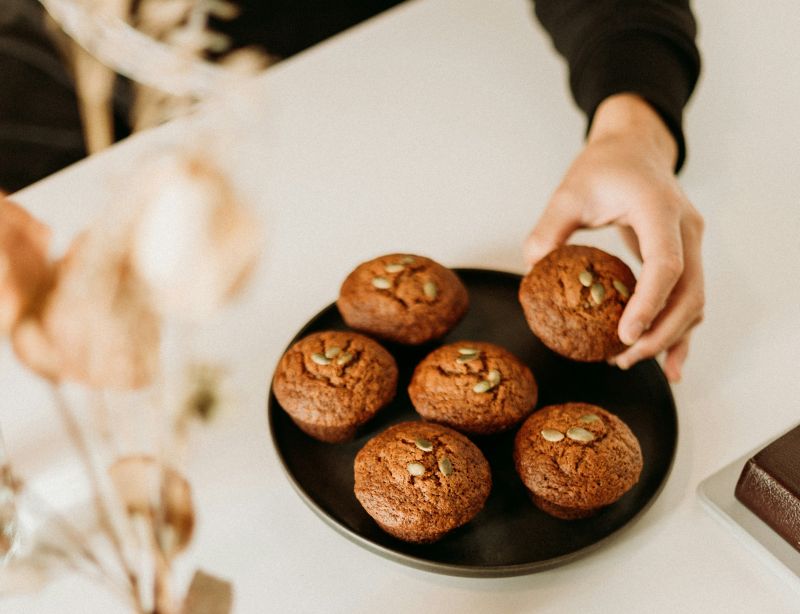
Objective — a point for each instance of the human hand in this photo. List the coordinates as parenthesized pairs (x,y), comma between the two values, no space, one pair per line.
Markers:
(624,176)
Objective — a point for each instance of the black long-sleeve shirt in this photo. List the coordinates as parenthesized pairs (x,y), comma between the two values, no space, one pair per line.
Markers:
(611,46)
(641,46)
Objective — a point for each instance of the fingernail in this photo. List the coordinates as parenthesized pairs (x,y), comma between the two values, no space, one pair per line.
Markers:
(624,363)
(632,332)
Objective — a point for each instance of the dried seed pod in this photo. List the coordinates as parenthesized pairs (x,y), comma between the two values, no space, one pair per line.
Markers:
(158,493)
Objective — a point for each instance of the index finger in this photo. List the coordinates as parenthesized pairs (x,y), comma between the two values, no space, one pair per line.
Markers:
(660,242)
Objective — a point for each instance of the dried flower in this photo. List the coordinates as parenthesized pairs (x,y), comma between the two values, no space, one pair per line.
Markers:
(208,594)
(95,324)
(203,395)
(193,243)
(158,493)
(24,268)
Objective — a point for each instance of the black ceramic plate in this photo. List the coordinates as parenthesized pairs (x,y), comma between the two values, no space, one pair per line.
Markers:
(509,536)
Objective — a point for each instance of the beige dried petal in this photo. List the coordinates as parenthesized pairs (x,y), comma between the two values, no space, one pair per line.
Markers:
(95,324)
(208,595)
(194,244)
(155,17)
(247,60)
(24,268)
(163,496)
(35,350)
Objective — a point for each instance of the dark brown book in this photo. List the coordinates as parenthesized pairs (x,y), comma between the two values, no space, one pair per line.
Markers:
(770,486)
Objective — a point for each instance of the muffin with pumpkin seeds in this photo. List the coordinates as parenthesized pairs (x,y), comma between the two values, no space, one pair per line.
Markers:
(576,459)
(403,298)
(474,387)
(573,300)
(419,481)
(332,382)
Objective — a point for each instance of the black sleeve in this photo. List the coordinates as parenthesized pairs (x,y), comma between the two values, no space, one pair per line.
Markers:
(641,46)
(40,129)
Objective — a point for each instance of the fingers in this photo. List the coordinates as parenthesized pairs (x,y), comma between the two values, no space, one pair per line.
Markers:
(659,234)
(676,356)
(684,310)
(631,240)
(560,219)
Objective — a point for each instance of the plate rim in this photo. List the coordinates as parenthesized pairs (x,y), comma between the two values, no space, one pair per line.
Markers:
(471,571)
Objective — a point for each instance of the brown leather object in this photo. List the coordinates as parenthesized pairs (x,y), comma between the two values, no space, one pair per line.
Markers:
(769,486)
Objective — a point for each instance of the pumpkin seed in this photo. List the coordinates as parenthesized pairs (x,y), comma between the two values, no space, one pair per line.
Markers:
(430,289)
(393,268)
(586,278)
(622,289)
(344,358)
(576,433)
(415,469)
(423,444)
(381,283)
(552,435)
(598,293)
(445,466)
(320,359)
(482,387)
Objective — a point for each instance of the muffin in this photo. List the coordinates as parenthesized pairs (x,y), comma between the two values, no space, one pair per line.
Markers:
(474,387)
(573,299)
(403,298)
(576,458)
(330,383)
(420,481)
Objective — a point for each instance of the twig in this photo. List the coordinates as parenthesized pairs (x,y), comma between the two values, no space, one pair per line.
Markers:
(101,413)
(103,515)
(71,533)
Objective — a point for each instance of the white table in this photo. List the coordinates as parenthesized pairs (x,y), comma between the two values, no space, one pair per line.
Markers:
(441,127)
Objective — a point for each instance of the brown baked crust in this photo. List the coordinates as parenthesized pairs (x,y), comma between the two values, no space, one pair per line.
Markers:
(423,508)
(561,310)
(404,311)
(442,388)
(330,401)
(574,479)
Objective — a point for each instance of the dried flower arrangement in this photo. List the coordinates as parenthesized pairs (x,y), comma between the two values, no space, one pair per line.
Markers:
(98,318)
(165,47)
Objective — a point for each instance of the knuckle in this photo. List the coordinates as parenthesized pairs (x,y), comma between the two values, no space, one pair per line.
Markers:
(695,222)
(564,198)
(699,302)
(671,266)
(649,347)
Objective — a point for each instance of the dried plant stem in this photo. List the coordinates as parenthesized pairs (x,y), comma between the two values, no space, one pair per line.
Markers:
(102,419)
(94,83)
(103,514)
(71,535)
(162,592)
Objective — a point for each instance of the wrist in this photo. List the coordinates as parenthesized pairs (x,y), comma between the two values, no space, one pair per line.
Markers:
(630,116)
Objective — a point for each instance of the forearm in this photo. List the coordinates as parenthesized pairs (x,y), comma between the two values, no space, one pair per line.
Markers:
(644,47)
(629,116)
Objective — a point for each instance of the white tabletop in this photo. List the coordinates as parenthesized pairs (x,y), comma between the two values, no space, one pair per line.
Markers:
(441,127)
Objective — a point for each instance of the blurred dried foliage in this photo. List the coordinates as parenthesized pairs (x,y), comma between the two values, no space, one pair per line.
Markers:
(166,47)
(174,251)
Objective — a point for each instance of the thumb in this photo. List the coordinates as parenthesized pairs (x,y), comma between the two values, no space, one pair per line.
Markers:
(560,219)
